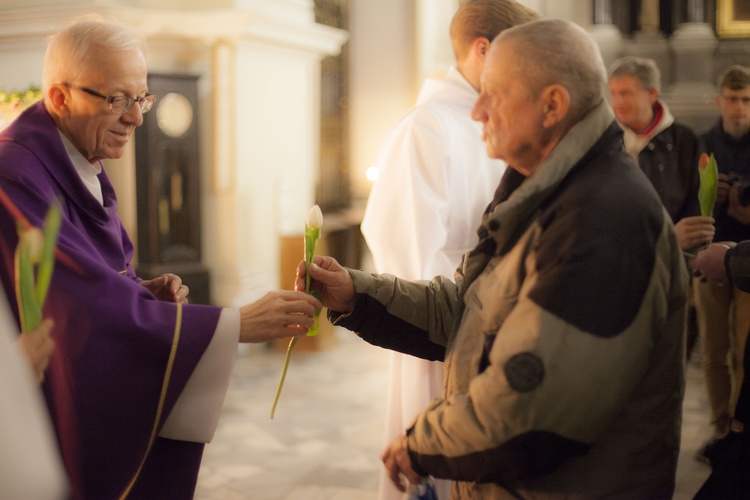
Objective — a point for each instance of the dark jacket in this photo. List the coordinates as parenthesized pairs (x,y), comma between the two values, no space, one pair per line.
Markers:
(731,156)
(670,161)
(737,262)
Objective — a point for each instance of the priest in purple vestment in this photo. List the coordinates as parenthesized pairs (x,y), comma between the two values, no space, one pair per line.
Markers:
(137,379)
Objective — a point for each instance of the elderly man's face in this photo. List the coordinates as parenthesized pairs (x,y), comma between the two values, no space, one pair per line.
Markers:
(93,129)
(511,117)
(633,105)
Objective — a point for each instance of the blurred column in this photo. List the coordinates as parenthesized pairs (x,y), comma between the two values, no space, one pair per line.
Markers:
(648,21)
(693,41)
(606,34)
(434,49)
(649,41)
(693,47)
(696,11)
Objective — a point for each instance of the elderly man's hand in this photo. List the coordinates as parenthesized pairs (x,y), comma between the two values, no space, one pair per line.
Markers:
(398,463)
(332,281)
(168,287)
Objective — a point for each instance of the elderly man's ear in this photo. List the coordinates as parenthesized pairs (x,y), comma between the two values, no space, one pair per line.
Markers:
(57,98)
(556,104)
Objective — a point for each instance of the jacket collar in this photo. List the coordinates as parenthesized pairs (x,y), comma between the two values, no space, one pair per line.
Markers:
(634,143)
(514,213)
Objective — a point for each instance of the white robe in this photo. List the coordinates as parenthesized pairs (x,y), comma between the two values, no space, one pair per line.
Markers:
(30,464)
(435,180)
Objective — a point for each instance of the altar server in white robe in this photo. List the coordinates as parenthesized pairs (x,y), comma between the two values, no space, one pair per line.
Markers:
(30,465)
(435,180)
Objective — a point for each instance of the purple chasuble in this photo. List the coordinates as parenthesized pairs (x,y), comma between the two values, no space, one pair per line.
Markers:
(113,338)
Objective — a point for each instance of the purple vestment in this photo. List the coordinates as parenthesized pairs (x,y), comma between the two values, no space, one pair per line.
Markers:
(113,338)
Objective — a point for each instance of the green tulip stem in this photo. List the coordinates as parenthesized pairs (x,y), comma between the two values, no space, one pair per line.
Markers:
(312,235)
(289,350)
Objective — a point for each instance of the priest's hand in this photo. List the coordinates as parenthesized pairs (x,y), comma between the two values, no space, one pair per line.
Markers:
(37,345)
(332,280)
(398,463)
(168,287)
(278,314)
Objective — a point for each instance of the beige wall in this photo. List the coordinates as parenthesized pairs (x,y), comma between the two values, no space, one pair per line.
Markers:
(382,76)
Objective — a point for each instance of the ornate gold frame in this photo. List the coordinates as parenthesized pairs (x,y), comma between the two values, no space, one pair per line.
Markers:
(727,22)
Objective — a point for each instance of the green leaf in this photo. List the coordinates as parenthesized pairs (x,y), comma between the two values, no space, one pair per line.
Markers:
(709,181)
(29,310)
(52,224)
(312,235)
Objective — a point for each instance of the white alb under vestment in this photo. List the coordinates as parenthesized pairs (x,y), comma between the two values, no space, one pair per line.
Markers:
(435,180)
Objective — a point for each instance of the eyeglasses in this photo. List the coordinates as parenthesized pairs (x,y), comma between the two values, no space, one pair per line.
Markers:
(120,104)
(733,99)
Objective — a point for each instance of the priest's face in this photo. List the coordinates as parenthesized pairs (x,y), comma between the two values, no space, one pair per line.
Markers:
(93,128)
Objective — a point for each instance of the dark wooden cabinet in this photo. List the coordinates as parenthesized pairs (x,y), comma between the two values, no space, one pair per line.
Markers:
(168,185)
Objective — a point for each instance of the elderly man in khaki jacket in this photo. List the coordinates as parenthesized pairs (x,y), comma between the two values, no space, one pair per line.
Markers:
(562,333)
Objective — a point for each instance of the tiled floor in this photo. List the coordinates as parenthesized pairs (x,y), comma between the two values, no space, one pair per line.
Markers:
(325,441)
(696,430)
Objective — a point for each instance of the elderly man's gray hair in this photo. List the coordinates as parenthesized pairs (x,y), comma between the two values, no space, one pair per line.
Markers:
(69,51)
(556,51)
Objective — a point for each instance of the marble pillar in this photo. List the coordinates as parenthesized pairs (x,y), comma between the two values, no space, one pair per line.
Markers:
(605,33)
(693,46)
(649,42)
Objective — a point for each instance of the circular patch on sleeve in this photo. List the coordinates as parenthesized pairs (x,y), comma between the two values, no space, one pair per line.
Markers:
(524,371)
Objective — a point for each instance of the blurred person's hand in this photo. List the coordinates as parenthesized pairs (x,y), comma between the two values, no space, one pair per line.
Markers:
(37,345)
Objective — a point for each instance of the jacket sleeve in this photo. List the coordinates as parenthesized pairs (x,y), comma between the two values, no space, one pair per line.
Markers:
(410,317)
(690,150)
(737,263)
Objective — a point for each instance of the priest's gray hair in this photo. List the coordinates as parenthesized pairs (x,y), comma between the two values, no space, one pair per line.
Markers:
(556,51)
(69,52)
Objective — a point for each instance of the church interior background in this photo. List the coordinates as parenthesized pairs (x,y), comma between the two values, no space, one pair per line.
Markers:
(269,106)
(289,100)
